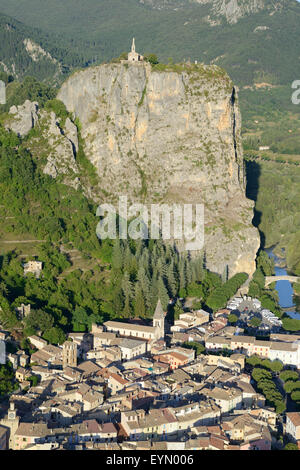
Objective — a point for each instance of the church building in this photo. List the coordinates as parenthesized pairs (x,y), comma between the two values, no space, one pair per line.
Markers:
(133,56)
(149,333)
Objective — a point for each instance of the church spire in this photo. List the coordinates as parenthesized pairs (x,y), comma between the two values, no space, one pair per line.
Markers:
(133,45)
(159,313)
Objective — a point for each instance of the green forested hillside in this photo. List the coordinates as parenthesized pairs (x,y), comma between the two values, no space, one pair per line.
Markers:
(51,63)
(261,46)
(257,44)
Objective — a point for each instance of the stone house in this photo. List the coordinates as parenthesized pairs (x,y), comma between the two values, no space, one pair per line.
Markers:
(103,338)
(28,434)
(189,320)
(33,267)
(243,344)
(226,398)
(88,369)
(116,383)
(22,374)
(23,311)
(84,342)
(287,353)
(131,348)
(23,358)
(14,359)
(137,425)
(247,432)
(48,356)
(37,341)
(217,343)
(261,348)
(292,428)
(175,357)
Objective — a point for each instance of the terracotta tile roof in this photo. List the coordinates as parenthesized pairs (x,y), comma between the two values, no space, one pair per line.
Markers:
(216,443)
(118,378)
(92,426)
(294,417)
(281,346)
(178,356)
(32,429)
(108,428)
(88,367)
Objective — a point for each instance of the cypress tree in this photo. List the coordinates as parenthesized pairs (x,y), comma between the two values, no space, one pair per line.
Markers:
(162,293)
(171,280)
(139,303)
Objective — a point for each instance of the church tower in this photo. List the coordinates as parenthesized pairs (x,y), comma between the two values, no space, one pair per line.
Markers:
(159,320)
(69,354)
(12,423)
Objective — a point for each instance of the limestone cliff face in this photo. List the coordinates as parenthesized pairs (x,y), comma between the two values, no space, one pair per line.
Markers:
(53,145)
(170,135)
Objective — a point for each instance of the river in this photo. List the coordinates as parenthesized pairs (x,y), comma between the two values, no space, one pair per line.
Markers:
(284,288)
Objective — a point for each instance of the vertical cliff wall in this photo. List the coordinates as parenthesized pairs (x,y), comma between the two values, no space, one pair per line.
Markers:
(172,135)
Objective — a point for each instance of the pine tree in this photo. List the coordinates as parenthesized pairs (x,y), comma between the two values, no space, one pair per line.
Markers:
(171,280)
(127,258)
(145,261)
(128,294)
(139,249)
(118,300)
(139,303)
(117,257)
(182,275)
(161,268)
(145,285)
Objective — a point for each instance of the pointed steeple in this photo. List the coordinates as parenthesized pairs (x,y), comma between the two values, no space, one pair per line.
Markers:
(133,45)
(159,313)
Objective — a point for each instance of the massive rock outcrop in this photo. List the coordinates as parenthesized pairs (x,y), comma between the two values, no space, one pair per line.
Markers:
(172,135)
(54,144)
(24,118)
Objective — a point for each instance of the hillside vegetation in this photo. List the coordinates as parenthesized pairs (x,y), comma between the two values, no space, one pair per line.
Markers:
(102,29)
(27,51)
